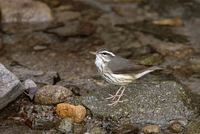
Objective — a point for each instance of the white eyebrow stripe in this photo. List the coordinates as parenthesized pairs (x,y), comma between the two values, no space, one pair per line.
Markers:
(108,52)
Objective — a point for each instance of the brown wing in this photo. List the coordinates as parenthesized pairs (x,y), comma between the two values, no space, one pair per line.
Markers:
(121,65)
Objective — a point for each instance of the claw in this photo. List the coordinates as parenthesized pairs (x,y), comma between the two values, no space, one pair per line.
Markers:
(113,97)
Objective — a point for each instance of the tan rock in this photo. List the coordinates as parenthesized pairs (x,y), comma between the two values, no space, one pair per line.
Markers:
(151,129)
(28,11)
(77,113)
(169,22)
(177,50)
(67,16)
(52,94)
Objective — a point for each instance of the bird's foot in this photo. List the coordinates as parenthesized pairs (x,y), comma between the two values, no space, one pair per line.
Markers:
(115,102)
(112,97)
(116,98)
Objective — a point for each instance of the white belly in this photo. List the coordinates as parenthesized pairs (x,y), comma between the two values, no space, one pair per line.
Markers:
(118,79)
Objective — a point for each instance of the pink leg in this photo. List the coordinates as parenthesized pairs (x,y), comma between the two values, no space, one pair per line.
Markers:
(116,94)
(118,99)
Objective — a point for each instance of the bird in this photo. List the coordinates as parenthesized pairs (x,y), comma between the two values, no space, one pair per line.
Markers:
(117,70)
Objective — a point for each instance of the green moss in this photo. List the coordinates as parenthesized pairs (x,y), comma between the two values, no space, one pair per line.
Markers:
(194,127)
(150,59)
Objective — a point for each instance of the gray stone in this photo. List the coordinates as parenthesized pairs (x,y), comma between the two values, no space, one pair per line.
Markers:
(31,88)
(10,87)
(37,76)
(66,126)
(146,101)
(70,29)
(24,73)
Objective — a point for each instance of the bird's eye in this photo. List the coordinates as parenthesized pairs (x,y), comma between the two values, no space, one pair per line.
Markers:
(104,53)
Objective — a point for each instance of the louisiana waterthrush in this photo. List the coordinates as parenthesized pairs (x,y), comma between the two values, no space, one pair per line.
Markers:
(117,70)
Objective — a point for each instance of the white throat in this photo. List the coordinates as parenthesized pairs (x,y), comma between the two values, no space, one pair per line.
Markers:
(100,64)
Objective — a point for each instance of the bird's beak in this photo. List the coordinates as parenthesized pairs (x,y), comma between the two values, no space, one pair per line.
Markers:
(93,53)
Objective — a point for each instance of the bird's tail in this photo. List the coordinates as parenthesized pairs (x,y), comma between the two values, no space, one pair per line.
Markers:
(149,70)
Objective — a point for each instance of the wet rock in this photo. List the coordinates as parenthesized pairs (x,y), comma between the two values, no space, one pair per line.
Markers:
(62,8)
(74,28)
(1,42)
(10,87)
(52,94)
(24,11)
(149,129)
(176,127)
(194,63)
(39,116)
(79,129)
(50,77)
(25,16)
(24,73)
(39,39)
(97,130)
(192,32)
(132,10)
(76,113)
(52,3)
(87,28)
(81,87)
(17,129)
(66,126)
(96,4)
(192,84)
(127,129)
(37,76)
(70,29)
(149,100)
(30,88)
(177,50)
(65,16)
(193,127)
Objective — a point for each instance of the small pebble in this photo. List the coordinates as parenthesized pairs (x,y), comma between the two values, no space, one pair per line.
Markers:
(176,127)
(149,129)
(76,113)
(66,126)
(39,47)
(30,88)
(29,84)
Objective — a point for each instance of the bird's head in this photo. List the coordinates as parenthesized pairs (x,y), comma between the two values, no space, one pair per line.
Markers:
(103,56)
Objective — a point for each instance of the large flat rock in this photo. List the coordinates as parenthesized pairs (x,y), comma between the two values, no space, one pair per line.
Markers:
(150,101)
(10,87)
